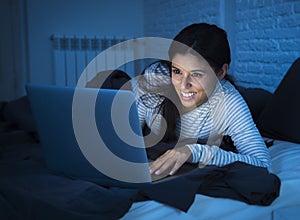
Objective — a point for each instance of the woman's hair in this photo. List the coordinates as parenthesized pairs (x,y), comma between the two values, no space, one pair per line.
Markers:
(205,39)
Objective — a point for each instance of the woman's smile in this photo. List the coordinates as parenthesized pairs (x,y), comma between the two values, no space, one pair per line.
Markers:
(188,95)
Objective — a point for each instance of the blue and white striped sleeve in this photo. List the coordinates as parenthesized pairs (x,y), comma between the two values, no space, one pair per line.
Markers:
(148,106)
(141,111)
(246,137)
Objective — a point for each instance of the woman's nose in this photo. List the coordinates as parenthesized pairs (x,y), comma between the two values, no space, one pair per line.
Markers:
(185,82)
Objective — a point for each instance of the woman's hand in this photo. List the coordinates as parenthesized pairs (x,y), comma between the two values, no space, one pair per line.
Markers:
(171,160)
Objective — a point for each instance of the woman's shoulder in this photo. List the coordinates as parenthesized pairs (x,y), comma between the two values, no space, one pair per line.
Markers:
(232,96)
(228,87)
(229,90)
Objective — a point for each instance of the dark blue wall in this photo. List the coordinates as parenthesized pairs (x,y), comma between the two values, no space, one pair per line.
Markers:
(264,35)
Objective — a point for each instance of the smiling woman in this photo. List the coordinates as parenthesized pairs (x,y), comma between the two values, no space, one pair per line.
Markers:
(190,100)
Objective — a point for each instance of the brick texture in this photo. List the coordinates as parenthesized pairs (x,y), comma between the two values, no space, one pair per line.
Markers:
(267,41)
(266,33)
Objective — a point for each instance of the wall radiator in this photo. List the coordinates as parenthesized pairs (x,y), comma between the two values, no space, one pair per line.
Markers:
(72,54)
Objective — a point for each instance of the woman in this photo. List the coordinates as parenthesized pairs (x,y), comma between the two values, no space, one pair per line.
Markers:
(198,104)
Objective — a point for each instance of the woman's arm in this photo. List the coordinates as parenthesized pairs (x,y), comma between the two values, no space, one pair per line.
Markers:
(242,130)
(236,121)
(141,112)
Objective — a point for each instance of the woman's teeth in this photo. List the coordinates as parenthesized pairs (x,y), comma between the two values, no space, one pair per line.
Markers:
(187,94)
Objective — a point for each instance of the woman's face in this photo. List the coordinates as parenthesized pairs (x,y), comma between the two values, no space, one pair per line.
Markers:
(193,79)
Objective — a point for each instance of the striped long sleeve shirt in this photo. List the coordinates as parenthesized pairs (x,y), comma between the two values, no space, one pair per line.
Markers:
(225,113)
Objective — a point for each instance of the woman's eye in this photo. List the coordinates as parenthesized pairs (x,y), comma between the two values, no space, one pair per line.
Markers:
(176,71)
(197,75)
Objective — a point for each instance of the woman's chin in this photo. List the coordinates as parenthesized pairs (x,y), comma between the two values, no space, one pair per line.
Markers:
(188,105)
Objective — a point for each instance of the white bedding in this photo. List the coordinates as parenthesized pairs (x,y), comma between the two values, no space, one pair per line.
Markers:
(286,165)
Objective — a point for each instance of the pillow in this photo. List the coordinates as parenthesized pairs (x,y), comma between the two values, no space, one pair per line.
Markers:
(2,104)
(256,99)
(115,80)
(280,119)
(19,113)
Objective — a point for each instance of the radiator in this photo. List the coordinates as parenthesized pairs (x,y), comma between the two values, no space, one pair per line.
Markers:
(72,54)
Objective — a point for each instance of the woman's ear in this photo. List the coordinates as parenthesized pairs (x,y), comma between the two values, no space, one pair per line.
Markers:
(223,71)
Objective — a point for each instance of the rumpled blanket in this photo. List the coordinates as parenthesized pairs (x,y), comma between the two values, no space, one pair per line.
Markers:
(28,190)
(33,192)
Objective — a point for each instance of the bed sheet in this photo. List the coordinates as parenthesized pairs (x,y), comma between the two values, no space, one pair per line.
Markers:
(286,165)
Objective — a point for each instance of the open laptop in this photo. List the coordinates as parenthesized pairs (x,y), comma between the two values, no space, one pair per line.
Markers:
(91,134)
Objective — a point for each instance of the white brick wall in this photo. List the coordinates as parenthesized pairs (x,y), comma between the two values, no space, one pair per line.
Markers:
(264,34)
(267,41)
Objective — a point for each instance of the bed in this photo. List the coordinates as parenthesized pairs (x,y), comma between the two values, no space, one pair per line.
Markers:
(28,190)
(285,157)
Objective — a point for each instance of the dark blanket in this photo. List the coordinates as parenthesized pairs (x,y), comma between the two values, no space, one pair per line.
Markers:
(46,196)
(40,194)
(28,190)
(239,181)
